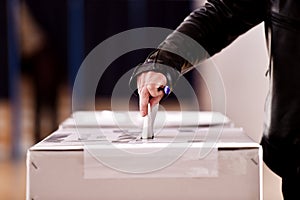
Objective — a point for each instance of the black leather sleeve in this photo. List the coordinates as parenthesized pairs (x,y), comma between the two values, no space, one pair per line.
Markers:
(213,26)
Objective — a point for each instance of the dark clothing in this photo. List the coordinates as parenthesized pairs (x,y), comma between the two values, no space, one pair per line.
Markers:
(215,26)
(290,187)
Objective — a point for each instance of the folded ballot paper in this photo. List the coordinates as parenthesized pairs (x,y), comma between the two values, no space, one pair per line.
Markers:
(101,155)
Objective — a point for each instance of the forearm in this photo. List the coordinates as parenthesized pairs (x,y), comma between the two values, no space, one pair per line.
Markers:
(203,33)
(219,22)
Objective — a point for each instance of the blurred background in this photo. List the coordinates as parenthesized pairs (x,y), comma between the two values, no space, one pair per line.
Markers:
(43,43)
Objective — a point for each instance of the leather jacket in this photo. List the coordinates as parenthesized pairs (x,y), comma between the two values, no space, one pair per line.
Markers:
(215,26)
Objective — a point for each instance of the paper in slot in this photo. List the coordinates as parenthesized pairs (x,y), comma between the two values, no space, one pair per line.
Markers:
(148,132)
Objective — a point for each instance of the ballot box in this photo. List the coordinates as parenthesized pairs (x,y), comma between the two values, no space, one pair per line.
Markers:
(102,157)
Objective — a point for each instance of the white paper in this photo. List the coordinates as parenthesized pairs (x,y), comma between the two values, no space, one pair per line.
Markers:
(149,119)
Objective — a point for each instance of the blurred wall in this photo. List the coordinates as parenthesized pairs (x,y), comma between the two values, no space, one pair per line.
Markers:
(242,66)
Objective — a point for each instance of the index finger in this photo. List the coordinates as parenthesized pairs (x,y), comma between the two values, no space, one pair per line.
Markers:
(143,101)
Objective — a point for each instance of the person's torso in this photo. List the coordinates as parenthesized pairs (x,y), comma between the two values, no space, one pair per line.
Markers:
(283,24)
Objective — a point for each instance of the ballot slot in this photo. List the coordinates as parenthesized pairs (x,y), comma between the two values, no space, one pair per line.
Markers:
(84,136)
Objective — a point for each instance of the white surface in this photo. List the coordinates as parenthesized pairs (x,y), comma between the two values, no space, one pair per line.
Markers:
(133,119)
(58,168)
(59,175)
(72,138)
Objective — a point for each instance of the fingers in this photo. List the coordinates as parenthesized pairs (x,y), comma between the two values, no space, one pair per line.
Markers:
(148,84)
(149,94)
(156,100)
(144,99)
(156,94)
(153,90)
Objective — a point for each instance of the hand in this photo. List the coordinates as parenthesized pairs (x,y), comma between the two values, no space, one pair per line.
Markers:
(148,84)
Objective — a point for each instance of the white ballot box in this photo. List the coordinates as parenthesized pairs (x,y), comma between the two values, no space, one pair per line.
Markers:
(201,157)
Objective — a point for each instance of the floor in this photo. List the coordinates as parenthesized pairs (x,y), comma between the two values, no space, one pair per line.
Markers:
(12,172)
(13,179)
